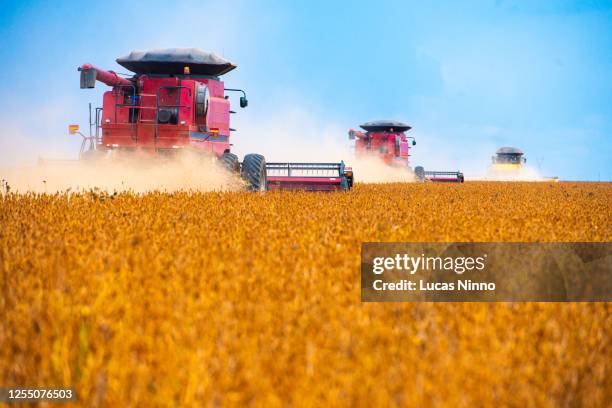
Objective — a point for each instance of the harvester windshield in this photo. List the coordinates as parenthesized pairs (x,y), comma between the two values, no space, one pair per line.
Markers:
(508,155)
(508,158)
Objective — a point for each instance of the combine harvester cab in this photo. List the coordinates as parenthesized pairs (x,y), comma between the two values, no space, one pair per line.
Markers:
(508,159)
(508,164)
(387,140)
(176,101)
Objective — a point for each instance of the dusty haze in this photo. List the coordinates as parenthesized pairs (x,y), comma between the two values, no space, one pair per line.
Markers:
(185,172)
(293,135)
(290,137)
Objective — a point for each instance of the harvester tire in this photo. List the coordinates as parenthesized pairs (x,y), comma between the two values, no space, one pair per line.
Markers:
(230,161)
(254,172)
(419,172)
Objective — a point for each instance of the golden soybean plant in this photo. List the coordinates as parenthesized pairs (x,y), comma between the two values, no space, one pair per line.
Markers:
(232,298)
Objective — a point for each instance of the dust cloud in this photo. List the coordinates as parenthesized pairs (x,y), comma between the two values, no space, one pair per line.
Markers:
(293,135)
(186,171)
(297,135)
(374,170)
(525,173)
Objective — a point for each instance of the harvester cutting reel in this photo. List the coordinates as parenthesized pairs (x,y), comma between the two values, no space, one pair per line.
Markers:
(438,176)
(262,176)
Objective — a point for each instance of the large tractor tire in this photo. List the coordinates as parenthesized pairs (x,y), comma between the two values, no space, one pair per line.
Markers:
(419,172)
(254,172)
(230,161)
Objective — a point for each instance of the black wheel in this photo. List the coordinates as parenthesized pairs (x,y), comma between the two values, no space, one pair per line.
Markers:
(419,172)
(230,161)
(254,172)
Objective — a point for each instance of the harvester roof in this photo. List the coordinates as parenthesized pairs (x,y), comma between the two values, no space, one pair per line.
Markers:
(172,61)
(509,150)
(385,126)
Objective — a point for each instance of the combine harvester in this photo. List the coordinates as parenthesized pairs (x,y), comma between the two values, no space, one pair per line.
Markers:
(176,102)
(508,159)
(387,140)
(509,163)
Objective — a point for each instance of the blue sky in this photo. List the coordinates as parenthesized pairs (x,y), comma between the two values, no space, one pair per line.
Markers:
(469,76)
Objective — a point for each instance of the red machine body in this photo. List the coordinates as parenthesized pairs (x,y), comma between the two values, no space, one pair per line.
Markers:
(387,140)
(176,101)
(154,113)
(392,147)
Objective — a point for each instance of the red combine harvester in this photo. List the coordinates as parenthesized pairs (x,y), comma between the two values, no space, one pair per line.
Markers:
(387,140)
(175,101)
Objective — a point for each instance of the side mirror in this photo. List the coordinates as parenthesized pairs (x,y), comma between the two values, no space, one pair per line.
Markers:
(243,100)
(351,134)
(414,142)
(88,78)
(524,160)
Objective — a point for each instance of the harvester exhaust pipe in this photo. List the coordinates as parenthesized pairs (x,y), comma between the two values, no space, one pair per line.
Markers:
(89,75)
